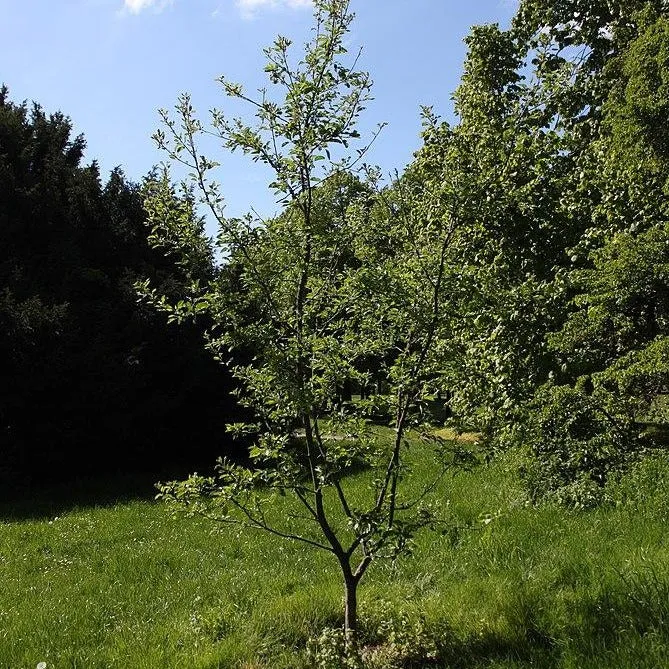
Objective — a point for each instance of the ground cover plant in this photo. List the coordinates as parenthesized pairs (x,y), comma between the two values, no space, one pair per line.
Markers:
(129,585)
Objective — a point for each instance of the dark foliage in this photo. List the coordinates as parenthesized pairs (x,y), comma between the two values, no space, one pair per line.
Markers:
(92,382)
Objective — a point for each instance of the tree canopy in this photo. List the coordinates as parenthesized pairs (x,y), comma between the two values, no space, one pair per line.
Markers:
(92,382)
(560,159)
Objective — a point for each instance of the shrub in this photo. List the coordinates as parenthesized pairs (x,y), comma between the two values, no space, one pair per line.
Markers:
(577,440)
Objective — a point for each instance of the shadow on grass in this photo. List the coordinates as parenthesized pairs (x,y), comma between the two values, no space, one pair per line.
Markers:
(536,650)
(29,500)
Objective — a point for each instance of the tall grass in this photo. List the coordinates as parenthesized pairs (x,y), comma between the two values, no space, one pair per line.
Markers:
(509,585)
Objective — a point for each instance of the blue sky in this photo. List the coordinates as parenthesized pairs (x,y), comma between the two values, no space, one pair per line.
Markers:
(110,64)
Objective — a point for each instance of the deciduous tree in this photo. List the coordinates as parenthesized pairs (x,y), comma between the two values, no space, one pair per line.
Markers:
(324,287)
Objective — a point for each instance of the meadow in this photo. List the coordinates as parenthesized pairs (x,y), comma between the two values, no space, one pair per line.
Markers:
(126,584)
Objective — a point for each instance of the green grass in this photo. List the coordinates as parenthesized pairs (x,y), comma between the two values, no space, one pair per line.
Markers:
(129,586)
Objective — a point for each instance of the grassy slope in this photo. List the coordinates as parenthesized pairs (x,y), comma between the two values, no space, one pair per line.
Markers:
(129,586)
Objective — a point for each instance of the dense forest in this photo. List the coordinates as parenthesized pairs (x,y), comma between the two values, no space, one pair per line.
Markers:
(512,283)
(93,383)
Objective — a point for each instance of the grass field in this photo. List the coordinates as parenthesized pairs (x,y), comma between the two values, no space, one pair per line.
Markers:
(127,585)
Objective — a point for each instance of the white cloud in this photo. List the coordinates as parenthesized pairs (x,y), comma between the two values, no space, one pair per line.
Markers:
(249,8)
(136,6)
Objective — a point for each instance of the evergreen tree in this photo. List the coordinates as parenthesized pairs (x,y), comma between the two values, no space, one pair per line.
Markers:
(92,381)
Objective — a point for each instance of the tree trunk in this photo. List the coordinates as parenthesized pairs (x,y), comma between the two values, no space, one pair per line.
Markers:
(351,610)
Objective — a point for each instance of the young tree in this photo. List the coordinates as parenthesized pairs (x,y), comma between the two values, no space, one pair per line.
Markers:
(322,287)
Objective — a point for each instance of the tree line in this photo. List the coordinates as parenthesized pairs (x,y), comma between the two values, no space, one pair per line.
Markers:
(92,383)
(553,182)
(561,155)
